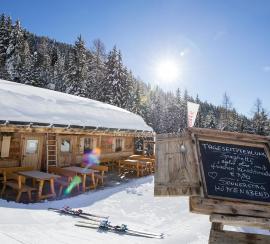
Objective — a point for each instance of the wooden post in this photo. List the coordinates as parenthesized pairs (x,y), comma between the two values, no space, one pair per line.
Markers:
(40,188)
(220,236)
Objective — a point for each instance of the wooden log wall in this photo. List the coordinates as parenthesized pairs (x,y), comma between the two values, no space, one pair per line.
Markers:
(14,157)
(104,142)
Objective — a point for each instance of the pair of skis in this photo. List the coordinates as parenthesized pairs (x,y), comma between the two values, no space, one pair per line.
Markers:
(101,223)
(105,225)
(79,213)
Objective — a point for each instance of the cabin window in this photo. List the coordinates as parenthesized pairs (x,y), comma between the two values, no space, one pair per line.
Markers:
(107,144)
(65,145)
(31,146)
(88,143)
(119,142)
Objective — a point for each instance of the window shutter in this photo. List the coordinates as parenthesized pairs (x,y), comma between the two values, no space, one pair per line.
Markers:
(94,142)
(113,144)
(123,144)
(5,146)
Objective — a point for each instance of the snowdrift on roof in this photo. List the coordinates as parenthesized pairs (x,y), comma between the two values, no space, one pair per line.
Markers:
(19,102)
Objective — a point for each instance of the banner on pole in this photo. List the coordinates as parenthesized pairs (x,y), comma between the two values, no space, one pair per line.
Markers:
(192,109)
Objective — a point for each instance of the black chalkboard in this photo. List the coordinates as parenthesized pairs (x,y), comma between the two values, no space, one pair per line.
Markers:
(235,171)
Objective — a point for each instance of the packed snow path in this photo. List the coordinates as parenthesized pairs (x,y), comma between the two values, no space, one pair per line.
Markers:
(132,203)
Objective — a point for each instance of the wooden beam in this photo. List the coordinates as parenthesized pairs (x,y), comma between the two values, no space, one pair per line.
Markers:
(263,223)
(231,237)
(227,134)
(215,206)
(77,131)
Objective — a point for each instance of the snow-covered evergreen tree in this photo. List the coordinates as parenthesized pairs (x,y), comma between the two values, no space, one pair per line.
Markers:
(117,85)
(259,120)
(60,72)
(97,70)
(78,70)
(171,115)
(134,102)
(15,50)
(111,77)
(5,32)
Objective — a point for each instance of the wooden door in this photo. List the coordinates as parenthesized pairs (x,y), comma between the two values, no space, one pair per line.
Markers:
(66,146)
(32,151)
(176,170)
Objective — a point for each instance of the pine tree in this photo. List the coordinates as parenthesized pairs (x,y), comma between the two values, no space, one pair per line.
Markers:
(27,67)
(225,112)
(134,104)
(60,72)
(171,114)
(111,77)
(97,70)
(78,70)
(260,121)
(5,32)
(44,68)
(15,50)
(210,120)
(119,81)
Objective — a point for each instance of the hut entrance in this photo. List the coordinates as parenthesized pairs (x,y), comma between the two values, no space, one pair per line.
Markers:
(31,151)
(66,147)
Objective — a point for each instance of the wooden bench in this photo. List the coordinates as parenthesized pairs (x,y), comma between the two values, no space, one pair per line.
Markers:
(109,162)
(66,177)
(20,188)
(101,175)
(16,182)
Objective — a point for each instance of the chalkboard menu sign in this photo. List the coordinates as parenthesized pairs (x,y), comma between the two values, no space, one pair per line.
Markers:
(235,171)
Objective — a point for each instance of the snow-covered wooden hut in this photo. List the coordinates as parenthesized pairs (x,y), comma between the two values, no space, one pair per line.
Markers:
(41,127)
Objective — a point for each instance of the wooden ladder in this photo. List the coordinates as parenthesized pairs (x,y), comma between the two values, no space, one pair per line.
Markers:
(51,146)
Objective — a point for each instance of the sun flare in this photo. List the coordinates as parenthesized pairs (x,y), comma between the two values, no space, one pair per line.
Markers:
(167,70)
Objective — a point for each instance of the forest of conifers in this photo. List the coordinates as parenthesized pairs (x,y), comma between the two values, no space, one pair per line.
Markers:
(97,74)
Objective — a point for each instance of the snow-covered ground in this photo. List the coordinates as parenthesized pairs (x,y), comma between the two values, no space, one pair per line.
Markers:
(132,203)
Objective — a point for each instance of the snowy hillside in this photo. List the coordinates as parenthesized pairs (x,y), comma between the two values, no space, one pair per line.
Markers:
(132,203)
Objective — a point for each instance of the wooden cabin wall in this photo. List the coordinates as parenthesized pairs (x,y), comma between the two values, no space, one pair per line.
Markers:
(108,149)
(106,143)
(14,157)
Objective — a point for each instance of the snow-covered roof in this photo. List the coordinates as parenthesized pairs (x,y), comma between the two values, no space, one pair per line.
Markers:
(24,103)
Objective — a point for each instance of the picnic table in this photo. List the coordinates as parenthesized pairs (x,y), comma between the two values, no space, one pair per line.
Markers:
(40,177)
(84,172)
(133,164)
(135,156)
(150,161)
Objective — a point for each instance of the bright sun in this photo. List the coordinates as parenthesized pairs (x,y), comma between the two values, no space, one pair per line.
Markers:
(167,70)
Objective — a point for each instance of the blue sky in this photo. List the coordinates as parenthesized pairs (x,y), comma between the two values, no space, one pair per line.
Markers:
(218,45)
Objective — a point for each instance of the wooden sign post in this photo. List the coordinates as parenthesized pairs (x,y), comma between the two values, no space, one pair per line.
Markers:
(226,175)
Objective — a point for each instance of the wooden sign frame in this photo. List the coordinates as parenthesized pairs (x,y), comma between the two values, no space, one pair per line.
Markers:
(227,141)
(167,183)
